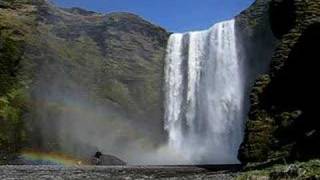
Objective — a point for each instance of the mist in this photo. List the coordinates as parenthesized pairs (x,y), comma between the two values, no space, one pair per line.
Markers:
(68,116)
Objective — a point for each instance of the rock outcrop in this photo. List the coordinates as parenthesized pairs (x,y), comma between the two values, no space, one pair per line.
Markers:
(258,43)
(100,159)
(283,117)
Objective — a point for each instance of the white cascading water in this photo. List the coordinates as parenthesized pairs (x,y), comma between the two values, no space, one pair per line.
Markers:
(204,95)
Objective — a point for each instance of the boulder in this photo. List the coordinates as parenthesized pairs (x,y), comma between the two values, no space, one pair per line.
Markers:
(100,159)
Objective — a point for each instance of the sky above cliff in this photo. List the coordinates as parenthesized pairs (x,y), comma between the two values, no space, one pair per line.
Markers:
(173,15)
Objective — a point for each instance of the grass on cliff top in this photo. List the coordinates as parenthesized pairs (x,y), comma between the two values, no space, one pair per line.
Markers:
(298,170)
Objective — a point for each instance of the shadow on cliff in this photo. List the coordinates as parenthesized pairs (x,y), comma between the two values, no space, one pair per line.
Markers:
(295,90)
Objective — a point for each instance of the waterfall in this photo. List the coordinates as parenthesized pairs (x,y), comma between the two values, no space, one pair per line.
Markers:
(204,95)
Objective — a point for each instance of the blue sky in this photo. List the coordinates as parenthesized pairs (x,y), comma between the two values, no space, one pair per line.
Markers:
(173,15)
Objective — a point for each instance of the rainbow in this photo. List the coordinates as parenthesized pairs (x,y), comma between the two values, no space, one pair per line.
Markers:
(51,158)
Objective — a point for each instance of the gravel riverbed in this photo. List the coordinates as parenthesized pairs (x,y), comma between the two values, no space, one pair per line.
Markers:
(110,172)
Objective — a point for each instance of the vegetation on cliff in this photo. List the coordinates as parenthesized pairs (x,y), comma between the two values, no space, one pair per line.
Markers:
(52,57)
(14,28)
(282,121)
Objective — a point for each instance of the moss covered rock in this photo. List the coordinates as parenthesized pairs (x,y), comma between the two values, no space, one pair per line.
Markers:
(283,104)
(304,170)
(14,28)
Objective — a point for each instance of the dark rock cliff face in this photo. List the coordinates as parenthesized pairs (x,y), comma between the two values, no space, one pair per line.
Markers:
(256,44)
(283,120)
(72,64)
(256,41)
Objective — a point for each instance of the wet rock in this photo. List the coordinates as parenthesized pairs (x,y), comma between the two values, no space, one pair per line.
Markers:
(107,160)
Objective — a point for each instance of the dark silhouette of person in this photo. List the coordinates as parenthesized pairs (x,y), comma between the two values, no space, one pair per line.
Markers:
(98,154)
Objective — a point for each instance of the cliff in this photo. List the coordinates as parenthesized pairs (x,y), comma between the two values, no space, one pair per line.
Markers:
(282,119)
(53,60)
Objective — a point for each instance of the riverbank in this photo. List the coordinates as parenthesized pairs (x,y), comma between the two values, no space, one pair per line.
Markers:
(298,170)
(111,172)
